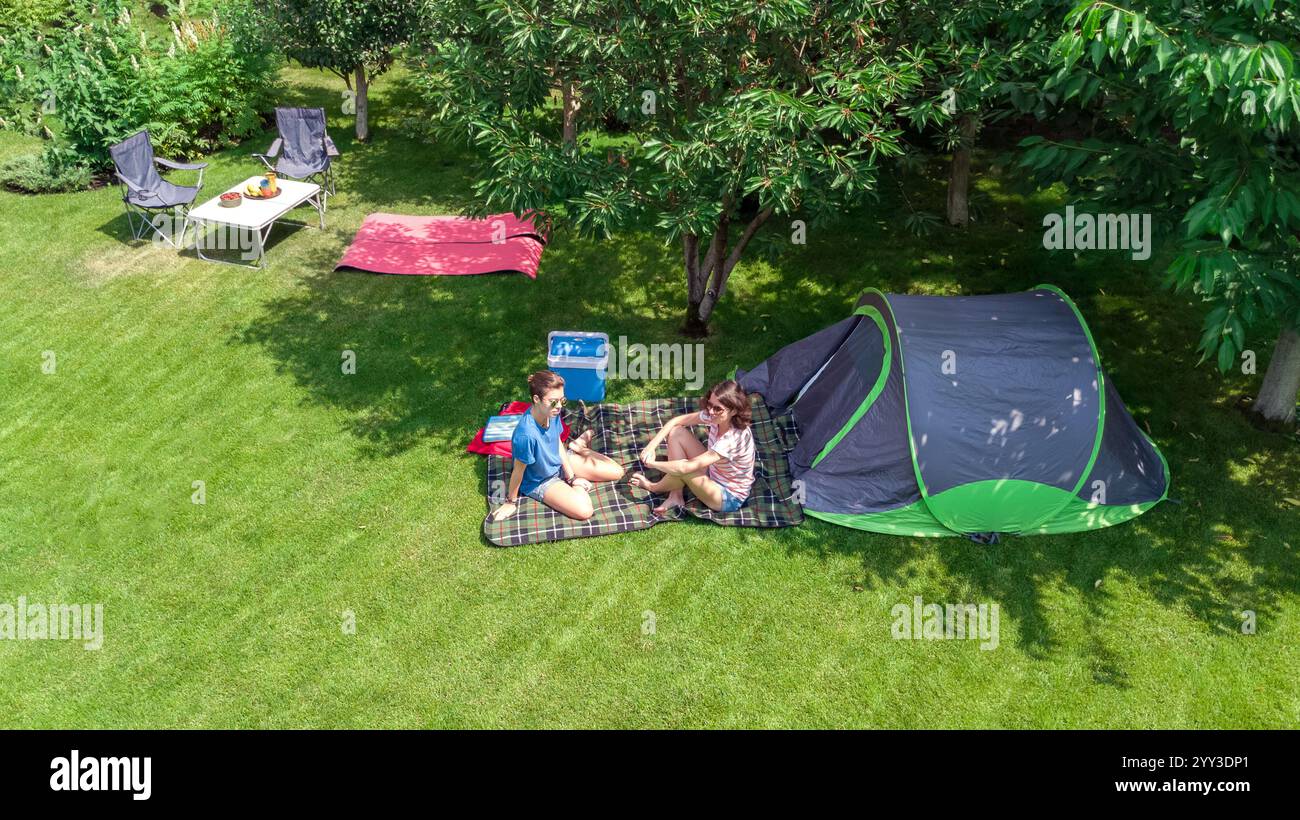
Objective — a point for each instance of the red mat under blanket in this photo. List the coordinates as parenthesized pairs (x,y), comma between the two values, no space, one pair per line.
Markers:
(445,245)
(502,448)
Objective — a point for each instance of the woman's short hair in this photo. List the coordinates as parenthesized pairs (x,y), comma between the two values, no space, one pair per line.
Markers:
(544,380)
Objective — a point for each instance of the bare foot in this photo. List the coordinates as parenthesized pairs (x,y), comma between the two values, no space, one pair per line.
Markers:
(672,502)
(582,442)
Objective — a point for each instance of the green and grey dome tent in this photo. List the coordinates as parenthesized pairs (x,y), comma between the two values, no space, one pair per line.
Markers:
(961,415)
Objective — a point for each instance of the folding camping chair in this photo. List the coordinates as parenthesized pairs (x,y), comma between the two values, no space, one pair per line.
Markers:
(144,191)
(303,150)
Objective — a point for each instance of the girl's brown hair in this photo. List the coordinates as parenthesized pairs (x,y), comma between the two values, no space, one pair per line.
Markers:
(730,395)
(544,380)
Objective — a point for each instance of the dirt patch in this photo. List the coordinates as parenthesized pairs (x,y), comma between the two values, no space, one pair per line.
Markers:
(102,265)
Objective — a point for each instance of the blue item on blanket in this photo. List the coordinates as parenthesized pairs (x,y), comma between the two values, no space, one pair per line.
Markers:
(500,428)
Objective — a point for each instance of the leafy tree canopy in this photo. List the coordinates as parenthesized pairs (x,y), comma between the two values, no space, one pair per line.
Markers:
(1195,107)
(339,35)
(724,112)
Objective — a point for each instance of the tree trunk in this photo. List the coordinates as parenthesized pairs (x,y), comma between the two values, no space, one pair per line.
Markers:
(363,104)
(1277,396)
(959,177)
(706,282)
(571,106)
(692,326)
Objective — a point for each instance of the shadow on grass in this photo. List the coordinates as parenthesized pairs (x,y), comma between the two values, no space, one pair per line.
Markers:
(1220,552)
(395,166)
(436,355)
(230,246)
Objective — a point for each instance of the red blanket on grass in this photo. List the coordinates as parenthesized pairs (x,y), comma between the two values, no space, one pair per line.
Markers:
(445,245)
(502,448)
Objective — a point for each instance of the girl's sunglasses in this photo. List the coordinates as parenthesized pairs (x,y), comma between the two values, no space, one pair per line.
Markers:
(554,403)
(714,409)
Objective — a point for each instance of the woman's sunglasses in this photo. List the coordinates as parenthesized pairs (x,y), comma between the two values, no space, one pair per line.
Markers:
(554,403)
(714,409)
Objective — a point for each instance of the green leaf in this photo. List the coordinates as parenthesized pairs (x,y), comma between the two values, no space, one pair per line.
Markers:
(1199,217)
(1278,57)
(1207,268)
(1091,22)
(1098,52)
(1164,50)
(1114,26)
(1238,331)
(1210,338)
(1227,355)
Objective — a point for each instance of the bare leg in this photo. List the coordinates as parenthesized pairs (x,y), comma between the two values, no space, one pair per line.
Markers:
(663,485)
(589,464)
(571,501)
(595,466)
(706,490)
(682,444)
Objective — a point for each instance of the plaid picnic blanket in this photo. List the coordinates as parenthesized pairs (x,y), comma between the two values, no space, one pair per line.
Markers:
(621,432)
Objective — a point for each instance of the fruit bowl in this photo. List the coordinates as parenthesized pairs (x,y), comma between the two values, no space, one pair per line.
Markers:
(230,199)
(255,191)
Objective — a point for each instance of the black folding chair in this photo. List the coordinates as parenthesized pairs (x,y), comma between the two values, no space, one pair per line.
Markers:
(303,150)
(145,192)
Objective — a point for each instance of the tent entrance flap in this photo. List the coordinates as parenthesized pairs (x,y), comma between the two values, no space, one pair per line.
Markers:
(829,402)
(882,376)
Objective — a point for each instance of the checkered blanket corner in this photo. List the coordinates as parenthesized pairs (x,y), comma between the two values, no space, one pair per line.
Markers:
(621,432)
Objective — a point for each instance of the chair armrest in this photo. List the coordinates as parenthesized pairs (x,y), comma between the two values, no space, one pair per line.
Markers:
(180,166)
(330,149)
(184,166)
(132,187)
(268,160)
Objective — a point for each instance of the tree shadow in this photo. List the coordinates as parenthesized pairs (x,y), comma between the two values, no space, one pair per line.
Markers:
(415,371)
(399,165)
(1218,553)
(436,355)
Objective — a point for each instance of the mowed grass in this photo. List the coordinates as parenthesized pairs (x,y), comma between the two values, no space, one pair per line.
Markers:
(329,493)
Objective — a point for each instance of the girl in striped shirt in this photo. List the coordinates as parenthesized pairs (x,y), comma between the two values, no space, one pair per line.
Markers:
(720,474)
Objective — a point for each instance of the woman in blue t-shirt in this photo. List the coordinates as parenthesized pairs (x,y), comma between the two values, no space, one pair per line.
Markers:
(545,470)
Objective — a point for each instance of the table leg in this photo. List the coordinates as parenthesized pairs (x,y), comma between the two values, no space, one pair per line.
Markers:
(318,201)
(260,261)
(259,245)
(200,236)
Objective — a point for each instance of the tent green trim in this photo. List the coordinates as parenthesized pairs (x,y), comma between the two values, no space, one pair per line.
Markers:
(1101,395)
(942,415)
(876,389)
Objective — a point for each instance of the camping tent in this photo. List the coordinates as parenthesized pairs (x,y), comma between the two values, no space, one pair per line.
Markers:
(948,415)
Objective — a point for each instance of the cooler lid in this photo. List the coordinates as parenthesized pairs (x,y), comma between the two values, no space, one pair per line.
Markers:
(576,344)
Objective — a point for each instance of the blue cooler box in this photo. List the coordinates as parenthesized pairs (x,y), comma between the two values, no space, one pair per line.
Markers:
(581,358)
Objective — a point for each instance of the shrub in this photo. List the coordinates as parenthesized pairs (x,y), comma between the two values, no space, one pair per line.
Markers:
(23,91)
(54,170)
(204,87)
(30,14)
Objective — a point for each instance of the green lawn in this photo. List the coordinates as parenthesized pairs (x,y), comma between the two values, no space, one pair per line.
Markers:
(327,492)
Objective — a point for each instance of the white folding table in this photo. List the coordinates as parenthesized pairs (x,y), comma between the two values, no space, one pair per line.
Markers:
(252,216)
